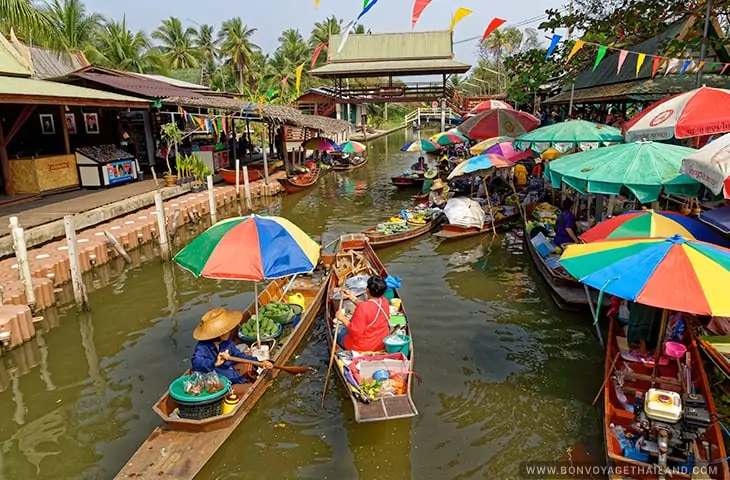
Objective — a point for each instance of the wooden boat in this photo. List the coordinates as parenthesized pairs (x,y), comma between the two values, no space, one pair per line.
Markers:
(344,167)
(300,182)
(229,175)
(456,232)
(179,448)
(420,198)
(387,408)
(259,165)
(380,240)
(693,419)
(408,182)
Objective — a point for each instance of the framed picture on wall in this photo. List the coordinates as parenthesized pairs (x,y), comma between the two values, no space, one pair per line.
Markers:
(47,127)
(91,120)
(71,123)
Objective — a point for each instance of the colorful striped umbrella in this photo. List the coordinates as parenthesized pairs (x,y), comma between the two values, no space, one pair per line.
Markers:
(352,147)
(568,136)
(507,151)
(448,138)
(672,273)
(501,121)
(250,248)
(649,223)
(490,105)
(420,145)
(480,147)
(480,163)
(321,144)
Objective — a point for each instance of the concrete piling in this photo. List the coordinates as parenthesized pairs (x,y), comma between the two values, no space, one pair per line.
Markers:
(212,201)
(77,281)
(162,228)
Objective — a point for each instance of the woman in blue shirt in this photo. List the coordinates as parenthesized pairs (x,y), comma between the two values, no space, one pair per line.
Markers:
(215,349)
(565,227)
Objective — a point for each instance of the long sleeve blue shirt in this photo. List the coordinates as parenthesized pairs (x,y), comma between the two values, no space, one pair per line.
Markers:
(206,354)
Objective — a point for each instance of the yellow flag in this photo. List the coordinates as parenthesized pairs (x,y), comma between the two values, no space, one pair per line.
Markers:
(640,62)
(316,3)
(299,76)
(577,46)
(458,16)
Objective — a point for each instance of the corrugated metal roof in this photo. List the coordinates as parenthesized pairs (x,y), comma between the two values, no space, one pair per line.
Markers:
(48,63)
(10,63)
(137,85)
(173,81)
(391,67)
(391,46)
(31,90)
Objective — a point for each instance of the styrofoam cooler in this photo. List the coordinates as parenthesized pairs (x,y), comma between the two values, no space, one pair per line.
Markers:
(543,245)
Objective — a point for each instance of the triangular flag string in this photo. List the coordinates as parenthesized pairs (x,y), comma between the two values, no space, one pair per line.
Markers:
(599,56)
(458,16)
(493,25)
(577,46)
(639,62)
(655,66)
(316,53)
(621,59)
(685,66)
(553,43)
(418,7)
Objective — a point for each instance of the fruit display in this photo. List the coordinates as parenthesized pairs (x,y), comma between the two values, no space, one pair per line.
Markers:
(105,153)
(277,312)
(418,217)
(370,389)
(267,327)
(389,228)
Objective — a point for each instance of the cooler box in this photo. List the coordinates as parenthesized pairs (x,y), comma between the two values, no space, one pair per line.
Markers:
(543,245)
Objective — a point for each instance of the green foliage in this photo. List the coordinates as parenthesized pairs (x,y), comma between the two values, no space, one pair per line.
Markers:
(171,134)
(528,71)
(176,43)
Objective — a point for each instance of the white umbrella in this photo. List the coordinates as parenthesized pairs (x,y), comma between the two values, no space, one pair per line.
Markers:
(710,165)
(464,212)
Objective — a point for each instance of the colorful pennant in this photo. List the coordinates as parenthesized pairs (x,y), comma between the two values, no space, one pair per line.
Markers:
(553,43)
(299,70)
(621,59)
(316,53)
(316,3)
(576,46)
(418,7)
(640,62)
(366,8)
(655,66)
(493,25)
(599,56)
(458,16)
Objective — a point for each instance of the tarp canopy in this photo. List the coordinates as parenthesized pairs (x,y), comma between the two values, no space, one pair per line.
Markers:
(464,212)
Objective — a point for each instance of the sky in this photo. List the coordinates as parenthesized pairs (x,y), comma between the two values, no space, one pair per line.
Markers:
(271,17)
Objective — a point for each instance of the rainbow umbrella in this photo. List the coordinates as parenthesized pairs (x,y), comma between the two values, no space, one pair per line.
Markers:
(649,223)
(507,151)
(448,138)
(420,146)
(250,248)
(480,163)
(321,144)
(670,273)
(352,147)
(480,147)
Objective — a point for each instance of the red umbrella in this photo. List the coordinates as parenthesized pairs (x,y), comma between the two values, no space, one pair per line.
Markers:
(498,122)
(489,105)
(703,111)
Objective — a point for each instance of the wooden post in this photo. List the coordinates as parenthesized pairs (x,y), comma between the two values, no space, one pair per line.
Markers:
(64,129)
(238,181)
(21,255)
(77,281)
(162,227)
(211,201)
(5,164)
(117,246)
(266,163)
(247,188)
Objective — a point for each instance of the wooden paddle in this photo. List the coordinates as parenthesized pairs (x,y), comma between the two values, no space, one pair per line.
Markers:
(605,380)
(293,369)
(334,347)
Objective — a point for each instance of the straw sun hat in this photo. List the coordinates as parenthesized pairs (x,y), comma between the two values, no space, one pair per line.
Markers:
(438,184)
(215,323)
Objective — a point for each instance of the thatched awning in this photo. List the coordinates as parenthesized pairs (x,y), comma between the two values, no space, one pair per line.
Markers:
(269,113)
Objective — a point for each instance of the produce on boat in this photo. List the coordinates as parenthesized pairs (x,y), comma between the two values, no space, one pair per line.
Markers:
(411,224)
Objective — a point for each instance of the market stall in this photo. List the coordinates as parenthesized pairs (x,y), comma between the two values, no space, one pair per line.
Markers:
(105,165)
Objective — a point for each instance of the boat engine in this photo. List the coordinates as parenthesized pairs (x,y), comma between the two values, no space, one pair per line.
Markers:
(669,423)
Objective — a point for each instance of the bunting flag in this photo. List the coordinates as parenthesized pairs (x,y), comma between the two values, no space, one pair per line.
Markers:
(365,4)
(201,123)
(261,106)
(699,66)
(685,66)
(366,8)
(418,7)
(577,46)
(713,65)
(284,83)
(640,62)
(316,3)
(350,26)
(493,25)
(299,76)
(599,56)
(655,66)
(224,127)
(553,43)
(672,64)
(621,59)
(316,53)
(458,16)
(270,93)
(724,68)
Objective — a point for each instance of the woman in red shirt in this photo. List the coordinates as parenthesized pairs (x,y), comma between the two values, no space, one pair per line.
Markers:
(369,325)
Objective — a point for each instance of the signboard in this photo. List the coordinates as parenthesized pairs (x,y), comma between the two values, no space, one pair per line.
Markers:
(118,172)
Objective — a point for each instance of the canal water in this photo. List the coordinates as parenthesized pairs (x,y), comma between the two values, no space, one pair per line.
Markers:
(507,377)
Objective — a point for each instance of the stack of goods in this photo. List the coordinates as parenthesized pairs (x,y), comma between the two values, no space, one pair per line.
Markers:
(276,312)
(105,153)
(395,225)
(199,383)
(545,215)
(418,217)
(267,328)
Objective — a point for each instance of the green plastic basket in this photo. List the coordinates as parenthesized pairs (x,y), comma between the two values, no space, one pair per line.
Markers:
(177,391)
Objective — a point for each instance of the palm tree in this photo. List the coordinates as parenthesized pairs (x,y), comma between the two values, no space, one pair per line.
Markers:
(29,23)
(119,47)
(76,28)
(236,45)
(177,43)
(322,31)
(207,45)
(294,47)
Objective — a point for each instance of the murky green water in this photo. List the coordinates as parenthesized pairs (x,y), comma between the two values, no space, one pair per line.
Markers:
(507,376)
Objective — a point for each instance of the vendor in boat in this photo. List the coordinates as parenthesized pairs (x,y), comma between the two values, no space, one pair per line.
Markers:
(566,227)
(369,324)
(437,197)
(420,165)
(215,349)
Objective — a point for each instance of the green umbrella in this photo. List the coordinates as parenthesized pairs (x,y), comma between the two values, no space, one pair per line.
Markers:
(644,168)
(566,136)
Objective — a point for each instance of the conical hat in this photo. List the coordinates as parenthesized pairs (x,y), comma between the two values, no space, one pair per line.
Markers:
(215,323)
(438,184)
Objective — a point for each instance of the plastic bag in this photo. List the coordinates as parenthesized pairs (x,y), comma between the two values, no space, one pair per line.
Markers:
(392,282)
(213,382)
(194,385)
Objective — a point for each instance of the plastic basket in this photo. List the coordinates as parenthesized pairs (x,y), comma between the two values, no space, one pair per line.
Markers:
(298,311)
(283,318)
(248,339)
(199,411)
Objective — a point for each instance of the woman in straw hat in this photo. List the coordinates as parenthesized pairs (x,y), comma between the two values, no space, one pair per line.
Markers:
(437,197)
(215,349)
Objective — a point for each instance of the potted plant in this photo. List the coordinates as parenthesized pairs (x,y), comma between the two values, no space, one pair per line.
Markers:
(171,135)
(200,172)
(192,160)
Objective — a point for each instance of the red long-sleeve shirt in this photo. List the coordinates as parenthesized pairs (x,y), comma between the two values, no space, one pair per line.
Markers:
(369,326)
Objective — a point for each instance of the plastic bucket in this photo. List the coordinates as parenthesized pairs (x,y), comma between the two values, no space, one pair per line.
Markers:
(397,343)
(674,349)
(389,294)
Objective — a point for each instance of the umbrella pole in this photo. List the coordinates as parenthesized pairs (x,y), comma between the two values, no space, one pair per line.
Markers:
(256,310)
(489,202)
(662,330)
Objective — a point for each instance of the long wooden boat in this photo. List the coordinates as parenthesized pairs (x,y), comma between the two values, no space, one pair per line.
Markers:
(178,449)
(300,182)
(380,240)
(345,167)
(456,232)
(696,418)
(229,175)
(408,182)
(259,165)
(387,408)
